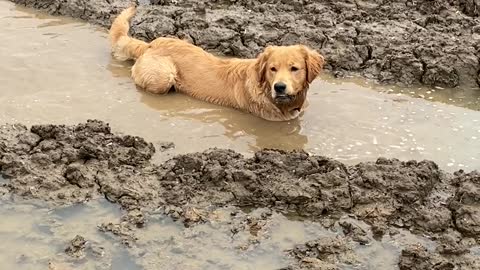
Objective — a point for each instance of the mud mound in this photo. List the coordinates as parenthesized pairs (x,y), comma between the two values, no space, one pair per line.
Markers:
(408,42)
(333,253)
(289,181)
(326,253)
(416,257)
(64,164)
(465,205)
(411,195)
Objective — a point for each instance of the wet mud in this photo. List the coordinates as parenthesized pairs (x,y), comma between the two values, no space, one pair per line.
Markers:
(406,42)
(66,165)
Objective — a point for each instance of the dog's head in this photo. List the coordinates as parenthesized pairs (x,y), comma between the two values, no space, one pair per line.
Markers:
(286,72)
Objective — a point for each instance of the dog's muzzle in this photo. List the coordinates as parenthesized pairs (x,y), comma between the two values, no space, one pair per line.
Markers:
(280,95)
(283,99)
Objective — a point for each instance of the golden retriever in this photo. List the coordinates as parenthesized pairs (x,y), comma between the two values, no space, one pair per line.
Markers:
(273,86)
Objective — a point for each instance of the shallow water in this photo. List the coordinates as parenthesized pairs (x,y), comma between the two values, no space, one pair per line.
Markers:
(58,70)
(166,245)
(37,236)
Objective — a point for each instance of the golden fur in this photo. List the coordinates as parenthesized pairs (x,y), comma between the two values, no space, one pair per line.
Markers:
(272,86)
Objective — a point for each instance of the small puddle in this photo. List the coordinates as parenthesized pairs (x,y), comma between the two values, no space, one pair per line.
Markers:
(37,235)
(212,245)
(168,245)
(384,254)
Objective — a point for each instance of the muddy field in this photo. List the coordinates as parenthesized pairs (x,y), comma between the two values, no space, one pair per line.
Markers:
(82,196)
(431,42)
(66,165)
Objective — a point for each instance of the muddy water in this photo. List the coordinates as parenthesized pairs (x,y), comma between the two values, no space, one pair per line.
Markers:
(58,70)
(38,236)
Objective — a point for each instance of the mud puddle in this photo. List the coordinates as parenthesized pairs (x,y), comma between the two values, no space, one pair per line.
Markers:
(58,70)
(66,238)
(36,236)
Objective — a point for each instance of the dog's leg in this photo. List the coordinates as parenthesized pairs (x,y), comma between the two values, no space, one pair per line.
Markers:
(154,73)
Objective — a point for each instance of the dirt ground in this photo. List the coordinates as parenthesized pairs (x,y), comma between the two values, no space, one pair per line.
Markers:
(431,42)
(74,164)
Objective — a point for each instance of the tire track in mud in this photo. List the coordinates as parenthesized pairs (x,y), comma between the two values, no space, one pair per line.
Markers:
(407,42)
(73,164)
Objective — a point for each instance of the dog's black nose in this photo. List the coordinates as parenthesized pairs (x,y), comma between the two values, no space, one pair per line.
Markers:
(280,88)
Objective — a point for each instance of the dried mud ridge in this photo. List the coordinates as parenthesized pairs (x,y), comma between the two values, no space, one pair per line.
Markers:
(431,42)
(73,164)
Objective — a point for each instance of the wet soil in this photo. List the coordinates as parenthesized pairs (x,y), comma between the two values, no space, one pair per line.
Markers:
(408,42)
(73,164)
(82,197)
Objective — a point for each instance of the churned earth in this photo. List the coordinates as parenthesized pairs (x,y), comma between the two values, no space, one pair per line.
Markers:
(367,202)
(408,42)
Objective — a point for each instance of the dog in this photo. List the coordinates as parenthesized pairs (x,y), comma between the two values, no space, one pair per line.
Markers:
(272,86)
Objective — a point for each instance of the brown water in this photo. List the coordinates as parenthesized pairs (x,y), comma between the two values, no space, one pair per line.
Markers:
(33,235)
(57,70)
(36,236)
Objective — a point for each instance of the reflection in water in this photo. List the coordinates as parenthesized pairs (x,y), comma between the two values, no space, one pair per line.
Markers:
(119,68)
(283,135)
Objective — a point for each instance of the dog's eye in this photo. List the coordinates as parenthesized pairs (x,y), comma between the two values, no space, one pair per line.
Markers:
(273,69)
(294,68)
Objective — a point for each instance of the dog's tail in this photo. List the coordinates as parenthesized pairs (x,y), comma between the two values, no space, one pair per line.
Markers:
(125,47)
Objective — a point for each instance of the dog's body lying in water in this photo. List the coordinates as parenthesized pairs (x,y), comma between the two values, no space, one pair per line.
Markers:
(272,86)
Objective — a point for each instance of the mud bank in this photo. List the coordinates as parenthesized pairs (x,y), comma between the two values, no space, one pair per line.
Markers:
(407,42)
(73,164)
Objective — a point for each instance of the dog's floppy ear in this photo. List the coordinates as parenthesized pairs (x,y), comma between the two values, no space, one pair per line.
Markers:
(314,63)
(261,64)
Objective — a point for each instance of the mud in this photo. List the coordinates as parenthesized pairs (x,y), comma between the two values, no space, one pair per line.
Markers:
(77,247)
(339,252)
(73,164)
(408,42)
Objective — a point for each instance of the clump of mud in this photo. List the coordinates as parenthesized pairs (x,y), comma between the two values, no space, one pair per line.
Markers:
(72,164)
(408,42)
(324,253)
(417,257)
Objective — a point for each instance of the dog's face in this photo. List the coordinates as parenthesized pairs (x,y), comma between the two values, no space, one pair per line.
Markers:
(287,71)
